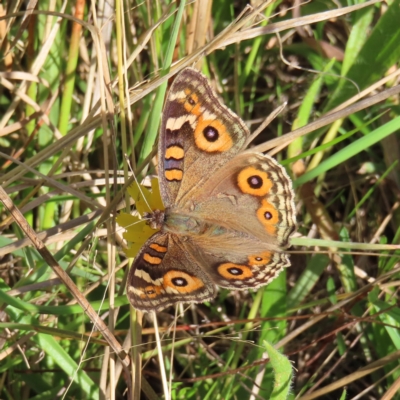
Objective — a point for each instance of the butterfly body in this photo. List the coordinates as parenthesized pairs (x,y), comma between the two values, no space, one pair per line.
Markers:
(228,211)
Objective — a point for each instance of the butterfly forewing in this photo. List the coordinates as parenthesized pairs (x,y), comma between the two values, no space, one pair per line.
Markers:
(199,135)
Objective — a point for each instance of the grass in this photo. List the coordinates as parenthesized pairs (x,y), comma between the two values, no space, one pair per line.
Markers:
(68,141)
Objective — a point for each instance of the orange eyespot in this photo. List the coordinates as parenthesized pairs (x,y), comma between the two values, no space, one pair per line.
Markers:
(260,259)
(187,91)
(268,215)
(212,136)
(151,292)
(191,103)
(182,282)
(234,271)
(254,181)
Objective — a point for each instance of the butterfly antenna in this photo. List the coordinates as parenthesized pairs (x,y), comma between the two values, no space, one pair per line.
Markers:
(137,183)
(123,228)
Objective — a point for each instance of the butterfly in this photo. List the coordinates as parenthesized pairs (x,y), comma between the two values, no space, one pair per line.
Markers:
(228,212)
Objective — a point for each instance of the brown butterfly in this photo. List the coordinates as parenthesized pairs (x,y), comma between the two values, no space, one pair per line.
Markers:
(228,211)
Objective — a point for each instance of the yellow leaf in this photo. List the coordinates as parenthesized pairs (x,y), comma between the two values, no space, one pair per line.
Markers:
(137,231)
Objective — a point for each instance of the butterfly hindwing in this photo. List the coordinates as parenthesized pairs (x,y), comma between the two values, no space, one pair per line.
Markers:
(237,261)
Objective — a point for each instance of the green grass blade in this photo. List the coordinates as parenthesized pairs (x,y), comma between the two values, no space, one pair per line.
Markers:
(72,370)
(351,150)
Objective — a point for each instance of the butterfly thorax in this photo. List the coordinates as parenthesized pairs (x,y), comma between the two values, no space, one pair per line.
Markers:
(180,224)
(189,225)
(155,219)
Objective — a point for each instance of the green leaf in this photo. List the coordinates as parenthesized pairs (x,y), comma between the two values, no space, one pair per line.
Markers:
(282,373)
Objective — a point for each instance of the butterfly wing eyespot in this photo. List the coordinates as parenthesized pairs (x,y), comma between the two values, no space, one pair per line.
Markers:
(262,258)
(268,215)
(260,270)
(253,181)
(211,136)
(150,292)
(234,271)
(182,282)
